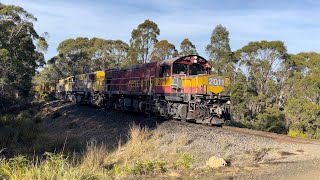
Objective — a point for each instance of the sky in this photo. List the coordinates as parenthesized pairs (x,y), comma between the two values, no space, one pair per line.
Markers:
(296,22)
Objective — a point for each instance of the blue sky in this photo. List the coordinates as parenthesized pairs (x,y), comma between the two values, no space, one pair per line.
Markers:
(296,22)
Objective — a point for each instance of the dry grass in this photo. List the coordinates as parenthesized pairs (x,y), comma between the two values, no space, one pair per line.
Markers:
(55,166)
(145,153)
(149,149)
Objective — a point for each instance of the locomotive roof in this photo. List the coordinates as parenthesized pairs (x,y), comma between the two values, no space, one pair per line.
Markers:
(172,60)
(167,61)
(130,67)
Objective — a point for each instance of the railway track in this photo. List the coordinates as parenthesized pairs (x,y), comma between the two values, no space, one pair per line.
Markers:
(256,133)
(269,135)
(262,134)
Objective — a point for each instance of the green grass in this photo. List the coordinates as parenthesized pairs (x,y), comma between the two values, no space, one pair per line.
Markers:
(147,167)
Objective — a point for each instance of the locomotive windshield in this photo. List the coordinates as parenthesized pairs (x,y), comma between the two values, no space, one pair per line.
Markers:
(188,65)
(180,68)
(196,69)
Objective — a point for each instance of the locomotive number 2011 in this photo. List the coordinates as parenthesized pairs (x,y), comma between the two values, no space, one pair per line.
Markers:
(216,82)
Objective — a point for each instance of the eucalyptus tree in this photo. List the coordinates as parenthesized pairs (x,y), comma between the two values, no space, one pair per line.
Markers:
(21,52)
(119,51)
(74,55)
(186,47)
(142,40)
(302,94)
(263,60)
(108,53)
(163,50)
(83,55)
(220,52)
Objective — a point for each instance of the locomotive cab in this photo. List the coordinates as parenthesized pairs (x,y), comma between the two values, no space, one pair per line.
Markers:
(191,65)
(192,74)
(194,93)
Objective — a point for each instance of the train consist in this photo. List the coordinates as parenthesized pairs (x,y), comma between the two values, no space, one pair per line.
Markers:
(181,88)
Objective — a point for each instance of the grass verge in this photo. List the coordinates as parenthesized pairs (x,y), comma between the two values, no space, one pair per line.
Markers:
(145,154)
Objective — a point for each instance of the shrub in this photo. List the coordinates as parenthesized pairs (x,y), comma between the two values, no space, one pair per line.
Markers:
(147,167)
(18,133)
(272,120)
(184,161)
(296,133)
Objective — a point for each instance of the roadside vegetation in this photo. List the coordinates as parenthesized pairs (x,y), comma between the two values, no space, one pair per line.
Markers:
(20,134)
(144,155)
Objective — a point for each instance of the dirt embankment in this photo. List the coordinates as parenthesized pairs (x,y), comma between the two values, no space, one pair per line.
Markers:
(248,157)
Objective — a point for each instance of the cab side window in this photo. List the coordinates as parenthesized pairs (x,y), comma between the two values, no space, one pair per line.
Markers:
(209,71)
(165,71)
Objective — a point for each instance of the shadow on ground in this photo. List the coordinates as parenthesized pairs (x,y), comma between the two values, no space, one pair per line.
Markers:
(91,124)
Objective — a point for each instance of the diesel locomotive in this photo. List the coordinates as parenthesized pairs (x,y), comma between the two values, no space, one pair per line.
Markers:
(181,88)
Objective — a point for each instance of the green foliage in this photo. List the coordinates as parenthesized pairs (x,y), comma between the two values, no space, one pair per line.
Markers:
(18,163)
(142,40)
(220,52)
(297,134)
(302,98)
(43,96)
(21,168)
(82,55)
(272,120)
(184,161)
(143,167)
(239,98)
(162,50)
(279,92)
(187,48)
(116,170)
(51,166)
(17,131)
(256,98)
(148,167)
(262,59)
(20,53)
(273,98)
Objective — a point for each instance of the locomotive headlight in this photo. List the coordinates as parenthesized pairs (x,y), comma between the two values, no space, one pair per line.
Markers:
(228,102)
(195,61)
